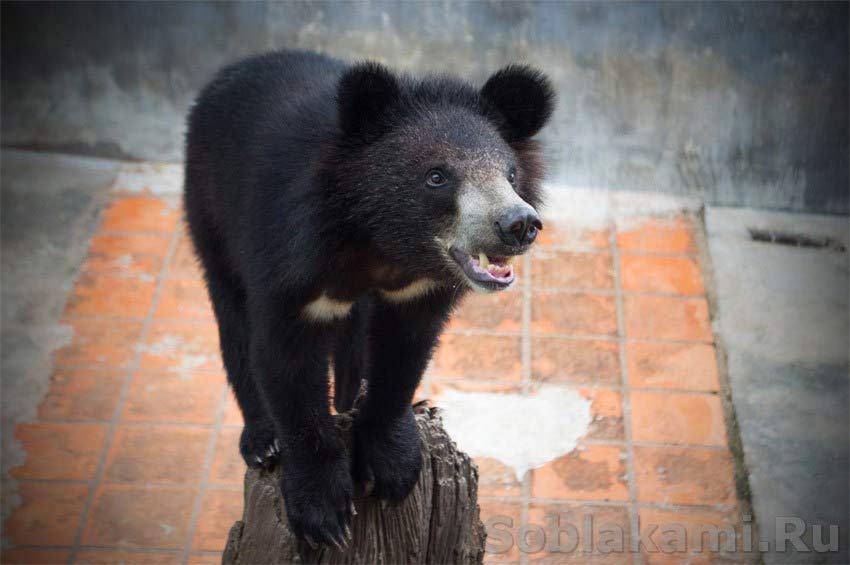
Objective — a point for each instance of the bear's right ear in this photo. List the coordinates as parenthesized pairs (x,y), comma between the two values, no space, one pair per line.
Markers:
(366,92)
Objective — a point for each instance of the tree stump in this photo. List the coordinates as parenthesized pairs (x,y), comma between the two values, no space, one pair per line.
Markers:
(438,522)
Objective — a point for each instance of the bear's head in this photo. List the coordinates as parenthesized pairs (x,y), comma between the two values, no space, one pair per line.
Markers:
(441,178)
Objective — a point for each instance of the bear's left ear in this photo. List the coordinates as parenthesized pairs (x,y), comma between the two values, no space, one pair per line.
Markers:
(365,93)
(522,98)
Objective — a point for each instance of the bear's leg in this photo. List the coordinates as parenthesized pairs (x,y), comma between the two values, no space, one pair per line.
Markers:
(289,357)
(258,442)
(402,338)
(349,355)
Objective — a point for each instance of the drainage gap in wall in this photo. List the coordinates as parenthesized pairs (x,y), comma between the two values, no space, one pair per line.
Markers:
(796,240)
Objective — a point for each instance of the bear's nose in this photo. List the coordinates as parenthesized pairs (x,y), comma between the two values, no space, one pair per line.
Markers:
(518,226)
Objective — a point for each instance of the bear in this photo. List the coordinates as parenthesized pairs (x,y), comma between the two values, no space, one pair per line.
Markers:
(339,213)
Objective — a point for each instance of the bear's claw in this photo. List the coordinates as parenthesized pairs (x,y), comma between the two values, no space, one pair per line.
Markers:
(258,445)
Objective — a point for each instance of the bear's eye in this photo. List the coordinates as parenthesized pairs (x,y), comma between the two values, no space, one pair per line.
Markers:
(436,178)
(512,176)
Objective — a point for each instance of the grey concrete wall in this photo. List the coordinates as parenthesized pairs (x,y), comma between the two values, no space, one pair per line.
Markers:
(739,103)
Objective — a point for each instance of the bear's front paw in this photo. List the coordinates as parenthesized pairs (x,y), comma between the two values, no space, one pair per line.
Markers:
(387,457)
(318,494)
(258,444)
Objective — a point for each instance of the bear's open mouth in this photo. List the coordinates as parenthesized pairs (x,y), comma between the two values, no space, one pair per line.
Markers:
(489,271)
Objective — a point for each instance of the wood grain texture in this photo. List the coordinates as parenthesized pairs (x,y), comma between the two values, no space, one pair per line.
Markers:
(438,523)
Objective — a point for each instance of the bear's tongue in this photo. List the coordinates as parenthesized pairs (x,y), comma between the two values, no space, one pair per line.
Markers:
(499,267)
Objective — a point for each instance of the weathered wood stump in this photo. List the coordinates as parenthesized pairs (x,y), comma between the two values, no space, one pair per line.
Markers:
(438,523)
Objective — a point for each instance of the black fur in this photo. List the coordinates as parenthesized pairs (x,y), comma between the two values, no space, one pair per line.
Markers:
(303,177)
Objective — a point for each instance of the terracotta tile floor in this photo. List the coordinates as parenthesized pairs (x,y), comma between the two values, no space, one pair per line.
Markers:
(134,456)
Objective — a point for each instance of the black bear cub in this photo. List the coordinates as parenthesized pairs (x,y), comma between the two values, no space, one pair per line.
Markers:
(339,213)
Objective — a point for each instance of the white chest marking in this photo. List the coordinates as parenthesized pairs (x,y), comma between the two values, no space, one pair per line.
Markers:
(415,289)
(325,308)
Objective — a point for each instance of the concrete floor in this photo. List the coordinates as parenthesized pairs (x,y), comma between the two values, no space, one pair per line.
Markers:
(50,208)
(782,318)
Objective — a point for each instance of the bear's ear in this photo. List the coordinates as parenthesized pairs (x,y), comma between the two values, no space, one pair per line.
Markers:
(522,99)
(366,92)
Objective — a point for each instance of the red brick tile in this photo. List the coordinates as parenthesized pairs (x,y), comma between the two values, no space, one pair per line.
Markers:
(182,347)
(60,451)
(598,533)
(606,411)
(688,366)
(49,514)
(228,467)
(590,472)
(498,517)
(104,294)
(82,394)
(205,558)
(33,556)
(568,313)
(107,343)
(496,479)
(232,413)
(106,557)
(184,263)
(127,253)
(146,214)
(440,386)
(677,475)
(559,234)
(478,357)
(565,269)
(667,318)
(495,311)
(139,517)
(695,419)
(184,298)
(575,361)
(659,236)
(671,275)
(186,397)
(698,524)
(157,454)
(220,509)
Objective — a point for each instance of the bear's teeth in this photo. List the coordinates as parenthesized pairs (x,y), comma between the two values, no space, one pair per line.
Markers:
(483,261)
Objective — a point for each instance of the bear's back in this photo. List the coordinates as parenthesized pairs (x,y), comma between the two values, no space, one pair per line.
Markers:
(262,118)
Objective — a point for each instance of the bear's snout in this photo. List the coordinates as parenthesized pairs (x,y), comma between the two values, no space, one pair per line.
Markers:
(518,226)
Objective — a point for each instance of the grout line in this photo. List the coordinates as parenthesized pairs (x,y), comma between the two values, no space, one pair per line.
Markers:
(125,390)
(526,325)
(612,503)
(526,382)
(613,292)
(141,370)
(585,337)
(147,233)
(626,399)
(102,318)
(211,318)
(463,332)
(139,484)
(134,423)
(204,483)
(576,385)
(608,250)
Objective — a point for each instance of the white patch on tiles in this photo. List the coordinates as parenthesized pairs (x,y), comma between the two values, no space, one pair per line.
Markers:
(170,344)
(149,178)
(523,432)
(123,262)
